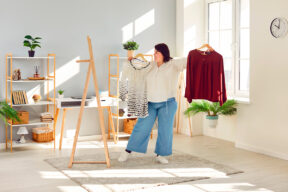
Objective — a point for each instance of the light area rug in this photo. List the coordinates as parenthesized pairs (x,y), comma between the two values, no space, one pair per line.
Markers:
(139,172)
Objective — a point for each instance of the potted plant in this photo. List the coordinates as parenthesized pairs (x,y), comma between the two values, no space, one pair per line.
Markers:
(130,46)
(60,94)
(213,110)
(32,43)
(8,113)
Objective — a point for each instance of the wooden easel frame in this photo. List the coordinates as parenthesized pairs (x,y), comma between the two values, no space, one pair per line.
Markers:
(92,69)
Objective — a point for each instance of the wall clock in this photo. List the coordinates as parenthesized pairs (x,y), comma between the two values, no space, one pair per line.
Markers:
(279,27)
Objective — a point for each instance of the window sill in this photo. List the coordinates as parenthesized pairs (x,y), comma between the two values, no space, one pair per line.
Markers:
(241,100)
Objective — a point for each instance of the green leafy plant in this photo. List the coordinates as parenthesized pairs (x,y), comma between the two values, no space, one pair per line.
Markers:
(130,45)
(60,91)
(31,42)
(7,112)
(212,108)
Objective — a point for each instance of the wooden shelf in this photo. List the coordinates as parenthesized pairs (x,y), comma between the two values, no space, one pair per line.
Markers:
(123,134)
(115,57)
(28,143)
(32,122)
(32,104)
(31,58)
(124,117)
(114,78)
(29,81)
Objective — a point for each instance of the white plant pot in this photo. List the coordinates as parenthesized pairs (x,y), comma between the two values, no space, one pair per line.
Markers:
(212,121)
(60,96)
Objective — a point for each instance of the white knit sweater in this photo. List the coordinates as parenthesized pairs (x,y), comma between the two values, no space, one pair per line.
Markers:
(132,87)
(162,81)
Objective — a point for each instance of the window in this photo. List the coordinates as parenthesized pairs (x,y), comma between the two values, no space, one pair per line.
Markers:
(228,33)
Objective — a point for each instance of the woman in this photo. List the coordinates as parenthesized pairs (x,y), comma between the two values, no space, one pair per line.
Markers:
(161,82)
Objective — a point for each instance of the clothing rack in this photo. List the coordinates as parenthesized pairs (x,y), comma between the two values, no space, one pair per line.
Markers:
(181,83)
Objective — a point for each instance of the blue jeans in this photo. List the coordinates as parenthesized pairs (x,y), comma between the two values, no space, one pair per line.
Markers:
(139,138)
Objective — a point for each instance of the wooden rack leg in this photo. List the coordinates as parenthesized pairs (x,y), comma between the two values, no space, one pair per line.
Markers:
(179,100)
(6,133)
(54,126)
(110,121)
(117,130)
(109,127)
(80,117)
(179,111)
(189,119)
(11,138)
(62,128)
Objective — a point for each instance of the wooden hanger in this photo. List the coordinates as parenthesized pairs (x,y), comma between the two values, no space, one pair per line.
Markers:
(206,45)
(141,56)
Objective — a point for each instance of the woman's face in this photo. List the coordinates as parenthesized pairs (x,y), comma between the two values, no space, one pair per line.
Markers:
(159,58)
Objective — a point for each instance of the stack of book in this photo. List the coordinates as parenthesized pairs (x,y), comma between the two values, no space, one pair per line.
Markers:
(19,97)
(46,117)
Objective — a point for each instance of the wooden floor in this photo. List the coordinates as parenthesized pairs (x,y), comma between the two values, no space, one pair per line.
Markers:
(25,170)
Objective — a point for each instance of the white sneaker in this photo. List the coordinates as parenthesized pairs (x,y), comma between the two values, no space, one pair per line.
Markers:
(161,159)
(124,156)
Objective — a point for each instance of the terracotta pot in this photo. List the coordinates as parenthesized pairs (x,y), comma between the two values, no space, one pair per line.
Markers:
(130,53)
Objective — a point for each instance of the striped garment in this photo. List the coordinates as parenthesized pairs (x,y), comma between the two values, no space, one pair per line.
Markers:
(132,87)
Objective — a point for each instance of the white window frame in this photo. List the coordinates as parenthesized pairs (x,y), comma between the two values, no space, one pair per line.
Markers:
(235,46)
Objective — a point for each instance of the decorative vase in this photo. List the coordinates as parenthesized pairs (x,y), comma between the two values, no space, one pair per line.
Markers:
(31,53)
(212,121)
(36,98)
(60,96)
(36,75)
(130,53)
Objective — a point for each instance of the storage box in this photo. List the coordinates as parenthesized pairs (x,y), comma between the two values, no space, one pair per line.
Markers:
(129,125)
(42,134)
(23,116)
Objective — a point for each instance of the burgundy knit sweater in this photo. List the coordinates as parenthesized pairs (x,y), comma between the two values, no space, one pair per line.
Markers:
(205,77)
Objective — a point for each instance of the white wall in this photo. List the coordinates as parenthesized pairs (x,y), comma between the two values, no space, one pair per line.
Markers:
(64,24)
(261,126)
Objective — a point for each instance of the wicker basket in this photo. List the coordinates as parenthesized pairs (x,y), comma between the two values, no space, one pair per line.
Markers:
(23,116)
(129,125)
(42,134)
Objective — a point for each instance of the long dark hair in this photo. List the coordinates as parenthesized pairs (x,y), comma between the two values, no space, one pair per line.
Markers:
(163,48)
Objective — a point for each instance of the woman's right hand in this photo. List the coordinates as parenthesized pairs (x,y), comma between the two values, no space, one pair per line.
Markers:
(130,58)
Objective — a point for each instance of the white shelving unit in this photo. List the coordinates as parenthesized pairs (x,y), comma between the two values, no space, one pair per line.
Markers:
(49,101)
